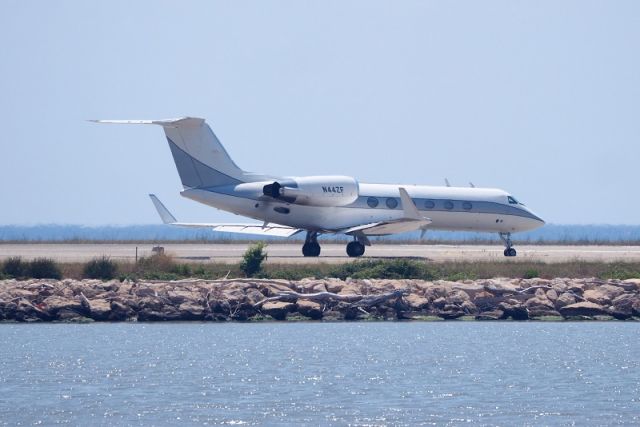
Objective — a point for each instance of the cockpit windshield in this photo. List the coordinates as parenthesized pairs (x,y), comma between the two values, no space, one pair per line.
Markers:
(512,200)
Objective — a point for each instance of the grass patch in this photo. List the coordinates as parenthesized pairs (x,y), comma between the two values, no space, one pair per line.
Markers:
(44,268)
(101,268)
(14,268)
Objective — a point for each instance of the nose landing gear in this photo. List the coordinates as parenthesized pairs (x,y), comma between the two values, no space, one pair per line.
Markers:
(311,247)
(509,250)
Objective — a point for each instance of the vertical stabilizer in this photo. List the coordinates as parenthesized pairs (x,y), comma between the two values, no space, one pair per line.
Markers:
(200,158)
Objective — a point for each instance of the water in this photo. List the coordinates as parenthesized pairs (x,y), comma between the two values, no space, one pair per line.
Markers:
(442,373)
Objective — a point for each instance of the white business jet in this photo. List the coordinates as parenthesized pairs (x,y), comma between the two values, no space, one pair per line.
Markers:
(326,204)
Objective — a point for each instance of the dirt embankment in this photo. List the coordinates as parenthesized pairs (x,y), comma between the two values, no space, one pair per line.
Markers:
(321,299)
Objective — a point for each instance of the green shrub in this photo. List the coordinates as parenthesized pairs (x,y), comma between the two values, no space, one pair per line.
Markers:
(101,268)
(621,271)
(530,274)
(183,270)
(252,259)
(156,262)
(384,269)
(44,268)
(14,267)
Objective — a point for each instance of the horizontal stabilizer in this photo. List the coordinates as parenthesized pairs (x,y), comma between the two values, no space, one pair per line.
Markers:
(162,122)
(276,230)
(164,213)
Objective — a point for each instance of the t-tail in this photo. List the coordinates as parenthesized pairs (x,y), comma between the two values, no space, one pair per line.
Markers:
(200,158)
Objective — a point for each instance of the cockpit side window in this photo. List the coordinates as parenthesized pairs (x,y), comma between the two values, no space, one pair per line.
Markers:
(513,201)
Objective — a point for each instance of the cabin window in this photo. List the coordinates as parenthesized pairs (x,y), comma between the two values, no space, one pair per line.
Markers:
(429,204)
(448,204)
(372,202)
(512,200)
(466,206)
(392,203)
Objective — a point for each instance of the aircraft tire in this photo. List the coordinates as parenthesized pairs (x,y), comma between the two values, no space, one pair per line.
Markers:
(311,249)
(355,249)
(510,252)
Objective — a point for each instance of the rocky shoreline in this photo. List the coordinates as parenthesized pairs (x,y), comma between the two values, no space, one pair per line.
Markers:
(318,299)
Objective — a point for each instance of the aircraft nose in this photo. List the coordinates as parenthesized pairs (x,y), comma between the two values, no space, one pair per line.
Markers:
(539,221)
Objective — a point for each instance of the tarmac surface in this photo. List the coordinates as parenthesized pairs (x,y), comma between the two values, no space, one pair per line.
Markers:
(282,253)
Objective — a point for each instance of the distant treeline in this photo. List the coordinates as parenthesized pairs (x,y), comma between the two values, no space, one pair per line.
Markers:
(551,233)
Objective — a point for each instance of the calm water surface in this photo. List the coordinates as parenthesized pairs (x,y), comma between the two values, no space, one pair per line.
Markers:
(321,374)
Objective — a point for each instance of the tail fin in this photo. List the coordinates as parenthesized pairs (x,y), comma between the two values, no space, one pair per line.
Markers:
(200,158)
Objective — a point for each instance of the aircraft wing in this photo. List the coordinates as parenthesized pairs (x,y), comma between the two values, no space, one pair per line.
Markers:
(259,229)
(411,221)
(388,227)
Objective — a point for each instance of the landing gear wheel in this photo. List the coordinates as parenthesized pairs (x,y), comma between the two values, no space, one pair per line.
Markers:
(510,252)
(355,249)
(311,249)
(506,238)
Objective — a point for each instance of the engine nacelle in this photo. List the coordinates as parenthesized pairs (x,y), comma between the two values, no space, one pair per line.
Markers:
(314,190)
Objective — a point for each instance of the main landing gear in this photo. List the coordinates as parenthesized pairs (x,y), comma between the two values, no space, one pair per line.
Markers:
(509,250)
(355,249)
(311,246)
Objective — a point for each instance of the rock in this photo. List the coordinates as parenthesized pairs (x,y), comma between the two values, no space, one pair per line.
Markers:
(559,286)
(333,316)
(151,304)
(178,297)
(191,310)
(565,298)
(585,308)
(636,308)
(457,297)
(539,302)
(451,311)
(309,309)
(144,291)
(99,309)
(500,286)
(471,289)
(66,315)
(439,289)
(540,306)
(576,288)
(630,285)
(277,309)
(490,315)
(148,314)
(334,285)
(552,295)
(417,302)
(440,302)
(25,311)
(120,311)
(468,307)
(622,306)
(603,294)
(514,309)
(55,303)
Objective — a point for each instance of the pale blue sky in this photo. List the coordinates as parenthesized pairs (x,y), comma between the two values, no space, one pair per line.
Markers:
(540,98)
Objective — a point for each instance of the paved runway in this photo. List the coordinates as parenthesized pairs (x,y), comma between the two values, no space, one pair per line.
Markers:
(331,253)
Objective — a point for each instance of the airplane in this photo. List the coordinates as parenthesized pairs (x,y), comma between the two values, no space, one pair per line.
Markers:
(330,204)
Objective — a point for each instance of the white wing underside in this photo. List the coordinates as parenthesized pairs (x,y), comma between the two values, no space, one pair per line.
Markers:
(258,229)
(389,227)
